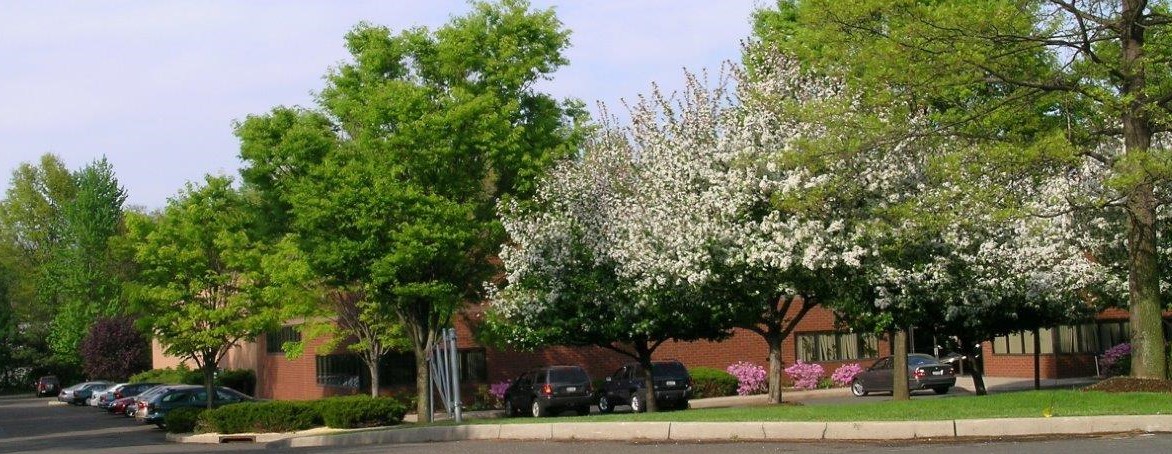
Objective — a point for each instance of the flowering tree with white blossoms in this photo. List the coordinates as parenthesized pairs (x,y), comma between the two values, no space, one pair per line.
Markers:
(568,282)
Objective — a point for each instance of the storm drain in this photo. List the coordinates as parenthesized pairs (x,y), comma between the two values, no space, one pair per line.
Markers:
(238,439)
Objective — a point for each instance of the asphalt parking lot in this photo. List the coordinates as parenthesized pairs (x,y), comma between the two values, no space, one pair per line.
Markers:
(29,424)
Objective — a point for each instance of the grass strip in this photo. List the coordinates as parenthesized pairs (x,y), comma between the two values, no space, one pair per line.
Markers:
(1025,404)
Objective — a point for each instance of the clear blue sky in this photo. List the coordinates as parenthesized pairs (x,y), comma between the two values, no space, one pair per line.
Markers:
(155,85)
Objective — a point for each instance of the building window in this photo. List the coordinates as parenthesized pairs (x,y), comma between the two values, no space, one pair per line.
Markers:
(818,347)
(274,340)
(342,371)
(473,368)
(397,369)
(1089,338)
(1022,343)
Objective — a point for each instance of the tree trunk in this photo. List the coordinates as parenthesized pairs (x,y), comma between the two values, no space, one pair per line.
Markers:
(774,342)
(972,350)
(209,379)
(1147,331)
(374,377)
(899,383)
(644,353)
(422,384)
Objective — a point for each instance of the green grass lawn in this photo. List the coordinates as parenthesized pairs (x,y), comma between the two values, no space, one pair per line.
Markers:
(1025,404)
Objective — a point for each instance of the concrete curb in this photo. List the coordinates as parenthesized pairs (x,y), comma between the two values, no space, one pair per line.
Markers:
(767,431)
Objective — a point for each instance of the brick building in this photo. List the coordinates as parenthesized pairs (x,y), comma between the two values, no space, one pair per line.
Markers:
(318,373)
(1067,351)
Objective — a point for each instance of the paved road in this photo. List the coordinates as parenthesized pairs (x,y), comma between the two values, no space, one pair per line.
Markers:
(32,425)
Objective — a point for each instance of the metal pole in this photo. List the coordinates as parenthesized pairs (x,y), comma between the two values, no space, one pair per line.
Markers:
(455,375)
(430,401)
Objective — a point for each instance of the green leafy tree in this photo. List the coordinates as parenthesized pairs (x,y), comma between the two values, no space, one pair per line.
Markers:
(202,285)
(85,268)
(29,216)
(1037,87)
(391,187)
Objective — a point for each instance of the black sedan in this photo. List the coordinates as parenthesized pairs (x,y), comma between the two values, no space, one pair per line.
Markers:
(923,372)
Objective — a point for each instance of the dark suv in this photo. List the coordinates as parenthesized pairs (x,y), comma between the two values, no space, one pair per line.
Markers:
(673,387)
(550,390)
(48,386)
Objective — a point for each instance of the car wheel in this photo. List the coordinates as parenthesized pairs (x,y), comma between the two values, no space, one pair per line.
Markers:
(539,410)
(604,405)
(857,389)
(941,389)
(637,404)
(683,405)
(583,410)
(510,409)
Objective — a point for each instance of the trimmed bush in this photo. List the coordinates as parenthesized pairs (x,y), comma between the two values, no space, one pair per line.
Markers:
(275,416)
(182,419)
(360,411)
(710,382)
(176,375)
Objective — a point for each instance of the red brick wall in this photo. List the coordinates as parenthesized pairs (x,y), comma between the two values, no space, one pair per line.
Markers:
(743,345)
(281,378)
(1062,365)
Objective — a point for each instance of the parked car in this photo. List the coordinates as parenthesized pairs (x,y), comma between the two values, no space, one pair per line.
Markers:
(140,400)
(77,394)
(123,406)
(106,398)
(627,386)
(47,386)
(550,390)
(960,363)
(156,406)
(924,372)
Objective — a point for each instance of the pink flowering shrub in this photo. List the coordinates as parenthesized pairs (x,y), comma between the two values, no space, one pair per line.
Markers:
(751,378)
(845,374)
(805,375)
(1116,360)
(498,389)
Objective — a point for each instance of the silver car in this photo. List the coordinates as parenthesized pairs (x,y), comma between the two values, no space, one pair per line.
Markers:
(923,372)
(79,393)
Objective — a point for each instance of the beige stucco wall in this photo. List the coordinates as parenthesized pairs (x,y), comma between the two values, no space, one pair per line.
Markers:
(243,356)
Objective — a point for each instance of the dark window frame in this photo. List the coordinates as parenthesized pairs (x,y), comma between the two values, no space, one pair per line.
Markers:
(274,340)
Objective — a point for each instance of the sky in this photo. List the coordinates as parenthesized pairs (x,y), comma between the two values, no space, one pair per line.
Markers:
(155,86)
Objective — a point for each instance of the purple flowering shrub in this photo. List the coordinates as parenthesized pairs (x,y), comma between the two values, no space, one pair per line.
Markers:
(751,378)
(845,374)
(498,389)
(805,375)
(1116,360)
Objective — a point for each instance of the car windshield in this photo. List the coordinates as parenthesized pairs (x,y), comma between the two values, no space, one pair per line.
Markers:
(568,375)
(668,370)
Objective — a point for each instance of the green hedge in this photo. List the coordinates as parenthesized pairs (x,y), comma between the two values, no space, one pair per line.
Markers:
(275,416)
(173,375)
(360,411)
(710,382)
(182,419)
(243,380)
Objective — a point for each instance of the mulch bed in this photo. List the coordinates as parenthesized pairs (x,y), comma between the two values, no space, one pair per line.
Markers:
(1131,385)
